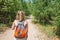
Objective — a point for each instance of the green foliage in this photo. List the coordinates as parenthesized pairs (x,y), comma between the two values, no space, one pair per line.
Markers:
(57,21)
(9,8)
(45,10)
(2,25)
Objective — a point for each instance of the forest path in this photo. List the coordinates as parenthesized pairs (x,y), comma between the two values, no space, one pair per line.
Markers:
(33,33)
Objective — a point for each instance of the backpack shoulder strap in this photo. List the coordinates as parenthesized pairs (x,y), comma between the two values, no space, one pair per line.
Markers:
(21,24)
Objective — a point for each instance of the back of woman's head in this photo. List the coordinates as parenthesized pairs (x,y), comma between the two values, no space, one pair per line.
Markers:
(20,15)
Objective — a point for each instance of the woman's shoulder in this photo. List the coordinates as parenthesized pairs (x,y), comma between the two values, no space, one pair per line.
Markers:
(15,21)
(26,21)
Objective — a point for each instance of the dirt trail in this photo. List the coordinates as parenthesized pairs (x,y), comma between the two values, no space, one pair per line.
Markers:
(33,33)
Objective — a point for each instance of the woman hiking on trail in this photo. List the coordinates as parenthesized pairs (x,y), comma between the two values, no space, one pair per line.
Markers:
(20,27)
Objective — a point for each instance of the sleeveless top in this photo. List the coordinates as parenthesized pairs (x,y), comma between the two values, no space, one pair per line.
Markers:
(16,22)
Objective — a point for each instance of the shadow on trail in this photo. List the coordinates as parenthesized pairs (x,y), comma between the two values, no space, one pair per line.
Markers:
(58,32)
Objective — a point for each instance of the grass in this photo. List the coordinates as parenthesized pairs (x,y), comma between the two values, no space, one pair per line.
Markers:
(3,28)
(50,30)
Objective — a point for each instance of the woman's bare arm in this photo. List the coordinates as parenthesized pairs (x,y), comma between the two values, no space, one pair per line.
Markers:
(13,25)
(26,26)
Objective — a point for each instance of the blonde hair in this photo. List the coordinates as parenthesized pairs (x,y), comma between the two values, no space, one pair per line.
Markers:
(20,13)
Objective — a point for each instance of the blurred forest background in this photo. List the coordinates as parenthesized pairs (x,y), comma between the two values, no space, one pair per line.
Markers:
(45,12)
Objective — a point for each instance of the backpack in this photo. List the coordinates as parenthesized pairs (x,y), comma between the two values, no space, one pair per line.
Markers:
(20,30)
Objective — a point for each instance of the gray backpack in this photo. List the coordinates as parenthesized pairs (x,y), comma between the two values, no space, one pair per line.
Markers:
(20,27)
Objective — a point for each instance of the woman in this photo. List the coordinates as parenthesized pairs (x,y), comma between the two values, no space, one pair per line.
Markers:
(23,32)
